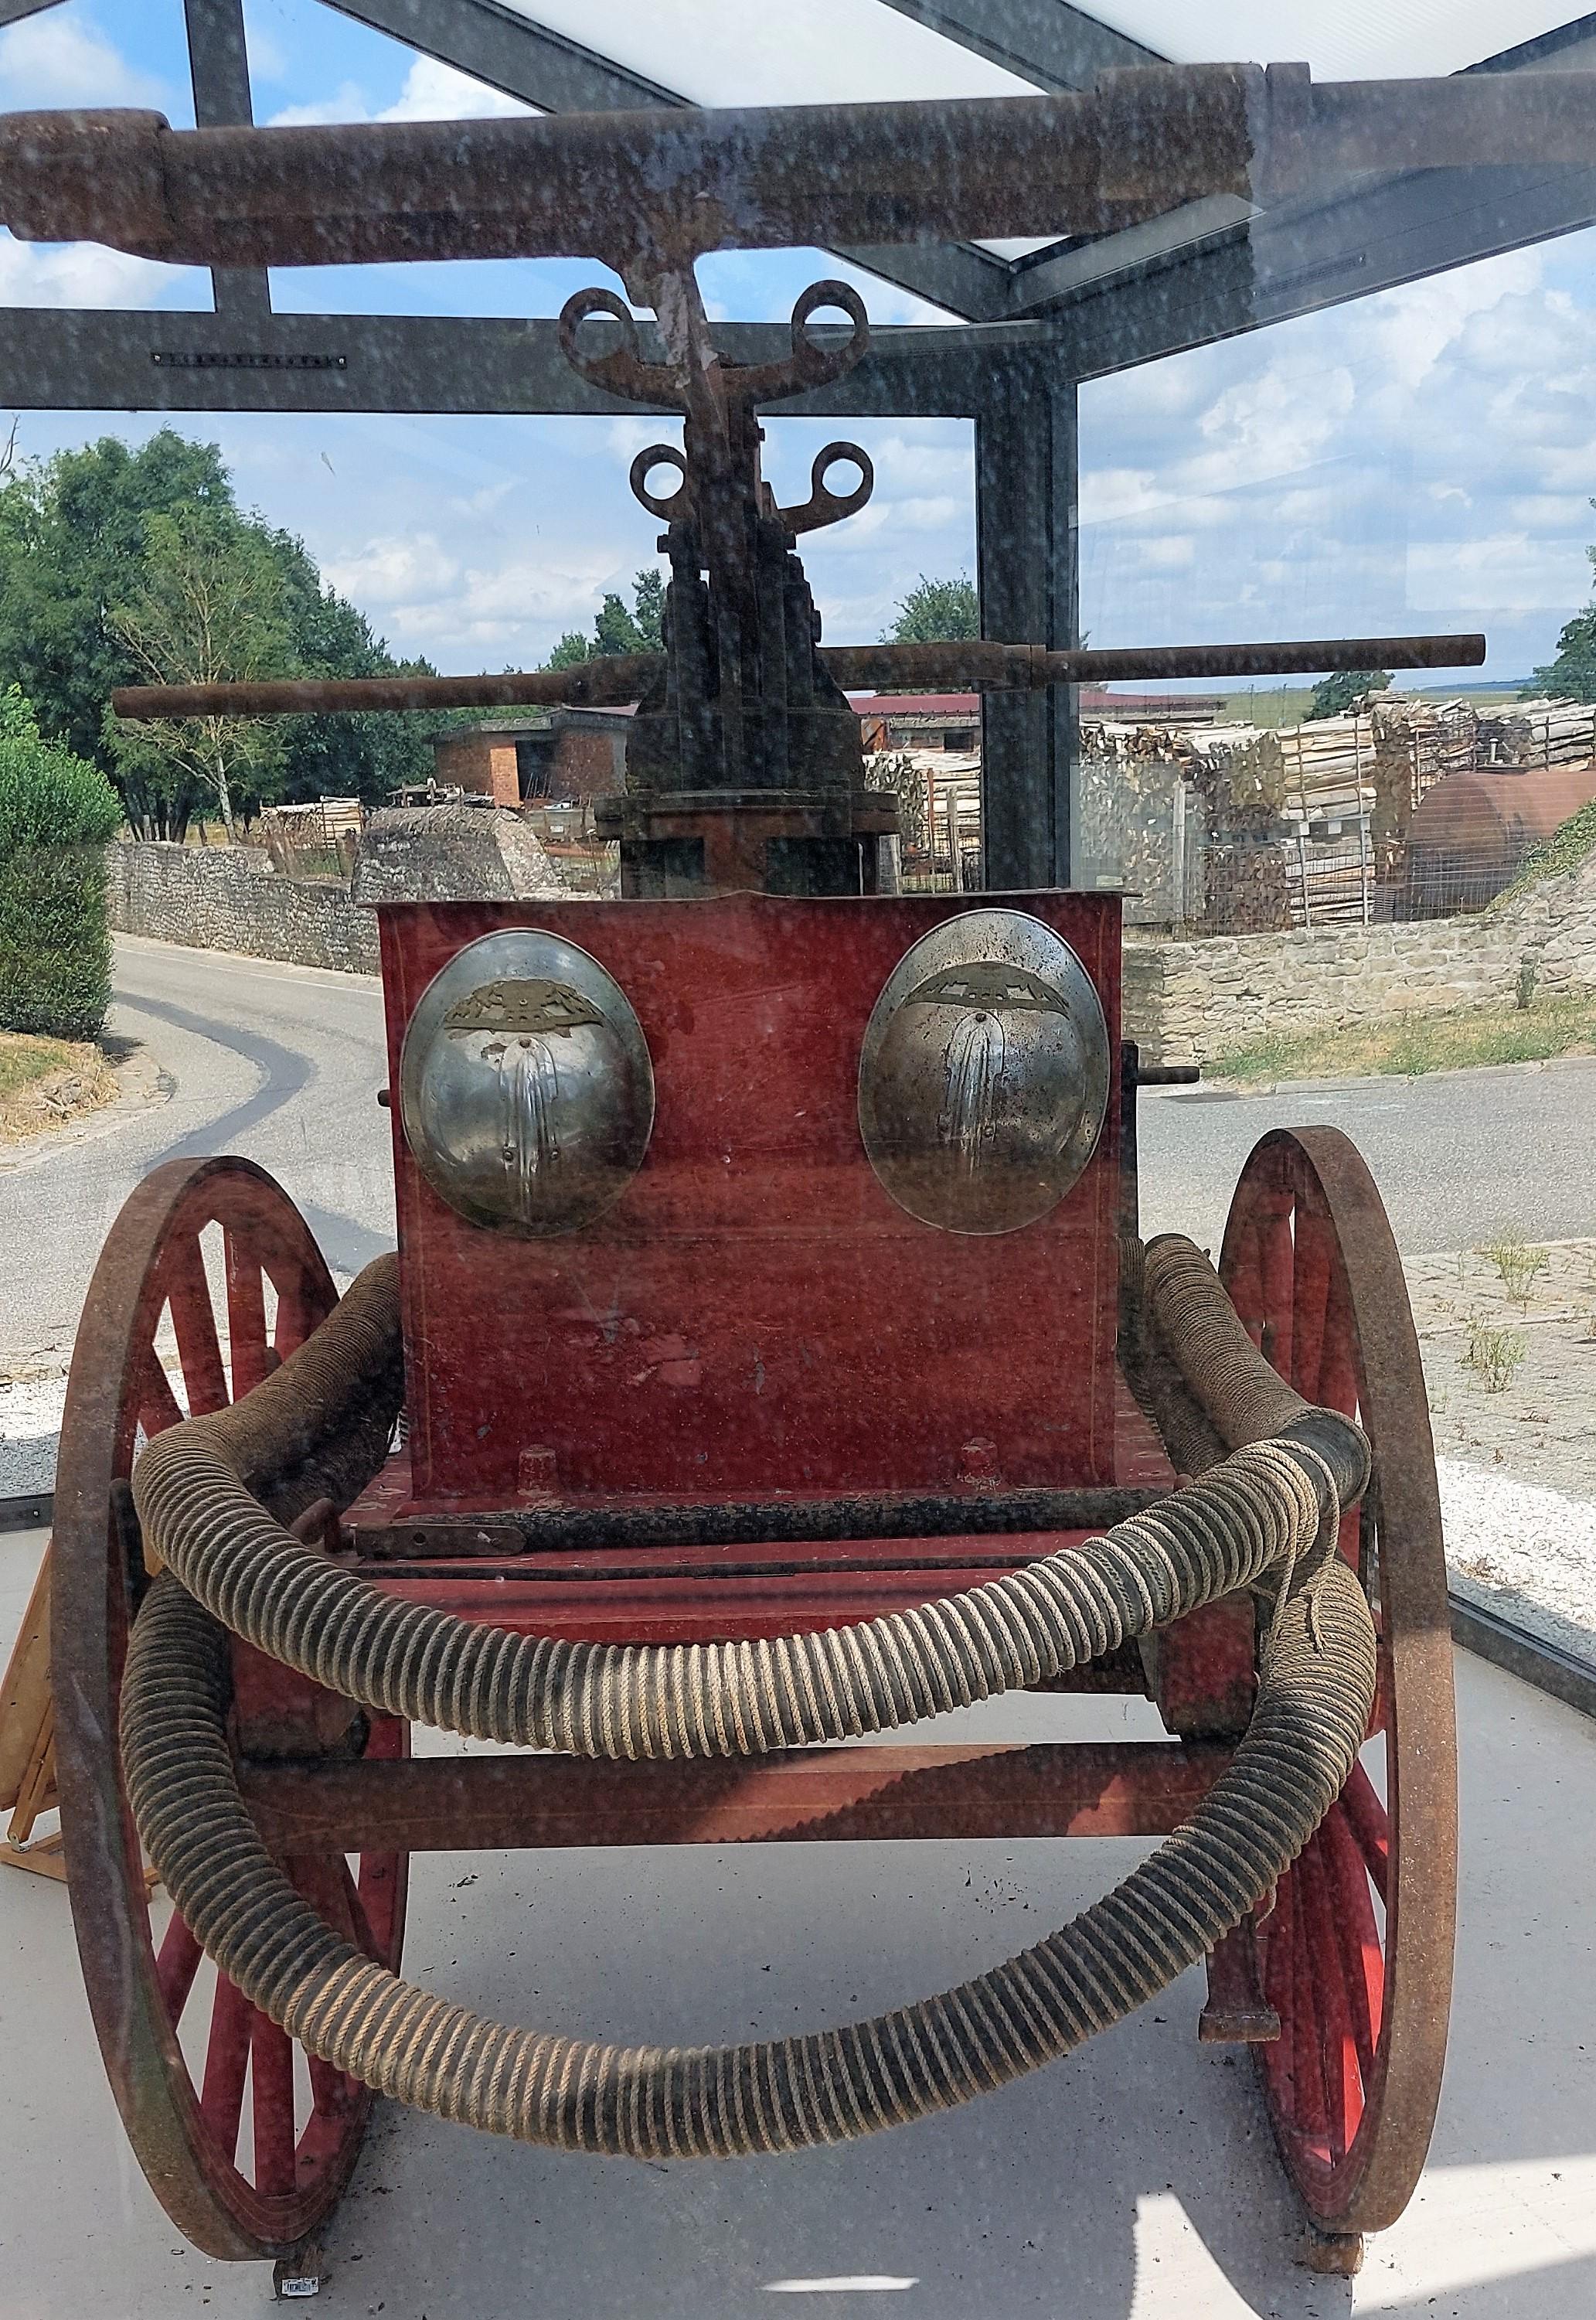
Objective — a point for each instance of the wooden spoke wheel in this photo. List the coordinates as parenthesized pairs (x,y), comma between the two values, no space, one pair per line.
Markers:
(1357,1952)
(181,2045)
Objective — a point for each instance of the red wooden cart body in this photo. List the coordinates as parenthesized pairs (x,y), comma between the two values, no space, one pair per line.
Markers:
(754,1315)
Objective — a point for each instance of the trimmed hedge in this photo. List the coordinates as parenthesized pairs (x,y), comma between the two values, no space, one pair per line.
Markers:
(57,815)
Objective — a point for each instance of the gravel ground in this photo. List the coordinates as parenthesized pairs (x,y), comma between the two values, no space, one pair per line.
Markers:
(1536,1415)
(1530,1553)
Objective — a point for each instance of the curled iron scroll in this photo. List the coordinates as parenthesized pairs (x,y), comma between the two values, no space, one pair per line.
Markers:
(662,455)
(824,506)
(621,371)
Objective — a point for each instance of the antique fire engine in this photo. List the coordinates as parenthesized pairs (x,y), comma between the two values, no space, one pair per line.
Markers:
(770,1359)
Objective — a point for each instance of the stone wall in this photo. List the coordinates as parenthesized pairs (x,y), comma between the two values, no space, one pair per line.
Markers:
(1187,1002)
(229,898)
(1183,1002)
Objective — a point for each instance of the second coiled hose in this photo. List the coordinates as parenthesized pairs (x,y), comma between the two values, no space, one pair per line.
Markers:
(1263,1517)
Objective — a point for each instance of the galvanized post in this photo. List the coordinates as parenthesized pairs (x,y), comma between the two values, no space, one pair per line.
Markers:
(1028,580)
(218,73)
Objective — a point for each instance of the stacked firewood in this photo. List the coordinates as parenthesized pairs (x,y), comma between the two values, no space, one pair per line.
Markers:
(1526,734)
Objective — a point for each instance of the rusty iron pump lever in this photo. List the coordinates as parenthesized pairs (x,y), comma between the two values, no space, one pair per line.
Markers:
(650,189)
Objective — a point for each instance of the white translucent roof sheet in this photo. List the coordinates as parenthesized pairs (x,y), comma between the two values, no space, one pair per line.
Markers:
(1342,40)
(796,52)
(821,51)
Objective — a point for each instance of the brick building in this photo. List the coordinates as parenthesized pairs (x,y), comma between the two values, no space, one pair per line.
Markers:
(549,757)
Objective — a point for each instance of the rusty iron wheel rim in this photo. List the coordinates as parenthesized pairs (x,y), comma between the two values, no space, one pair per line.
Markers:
(1310,1262)
(153,1251)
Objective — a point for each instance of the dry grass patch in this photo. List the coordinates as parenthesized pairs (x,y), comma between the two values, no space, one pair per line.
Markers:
(1405,1047)
(46,1083)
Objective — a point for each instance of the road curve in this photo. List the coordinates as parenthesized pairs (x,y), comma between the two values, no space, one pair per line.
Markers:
(279,1062)
(282,1063)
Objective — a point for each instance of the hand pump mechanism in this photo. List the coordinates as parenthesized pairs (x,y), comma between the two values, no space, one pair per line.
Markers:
(744,767)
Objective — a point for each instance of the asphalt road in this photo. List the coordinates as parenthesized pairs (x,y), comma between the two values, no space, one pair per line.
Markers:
(1460,1157)
(282,1063)
(279,1062)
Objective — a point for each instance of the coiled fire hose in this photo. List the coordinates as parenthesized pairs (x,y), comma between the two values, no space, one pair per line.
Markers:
(1263,1517)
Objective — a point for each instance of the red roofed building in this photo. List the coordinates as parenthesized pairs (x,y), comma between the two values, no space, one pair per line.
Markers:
(952,721)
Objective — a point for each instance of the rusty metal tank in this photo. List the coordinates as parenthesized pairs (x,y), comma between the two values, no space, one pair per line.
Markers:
(1472,833)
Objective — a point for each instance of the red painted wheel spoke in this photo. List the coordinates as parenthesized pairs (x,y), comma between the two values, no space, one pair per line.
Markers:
(193,1319)
(326,1884)
(246,1315)
(176,1964)
(354,1905)
(227,2057)
(1370,1824)
(1276,1936)
(296,1315)
(1362,1959)
(377,1891)
(271,2074)
(1277,1265)
(1337,1370)
(1307,2063)
(1339,2060)
(1313,1266)
(159,1405)
(333,2092)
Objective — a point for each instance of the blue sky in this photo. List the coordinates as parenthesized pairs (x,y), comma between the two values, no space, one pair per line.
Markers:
(1421,460)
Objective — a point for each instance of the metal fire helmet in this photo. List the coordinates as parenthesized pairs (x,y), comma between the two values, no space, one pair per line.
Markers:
(984,1075)
(525,1088)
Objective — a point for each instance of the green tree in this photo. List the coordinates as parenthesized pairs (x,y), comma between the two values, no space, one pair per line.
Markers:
(648,609)
(207,608)
(571,651)
(74,541)
(1572,676)
(57,813)
(936,612)
(617,628)
(1333,695)
(72,538)
(366,754)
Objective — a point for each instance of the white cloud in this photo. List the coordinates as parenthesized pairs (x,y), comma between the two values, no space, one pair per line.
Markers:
(431,92)
(1503,572)
(415,568)
(437,92)
(59,59)
(348,102)
(268,59)
(1273,424)
(81,273)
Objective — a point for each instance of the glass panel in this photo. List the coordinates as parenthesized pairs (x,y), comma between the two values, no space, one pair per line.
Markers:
(669,1177)
(121,53)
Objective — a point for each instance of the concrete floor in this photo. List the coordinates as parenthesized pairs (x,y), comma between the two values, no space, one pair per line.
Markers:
(1137,2180)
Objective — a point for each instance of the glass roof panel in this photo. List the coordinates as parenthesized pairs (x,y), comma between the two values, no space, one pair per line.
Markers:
(1342,40)
(804,52)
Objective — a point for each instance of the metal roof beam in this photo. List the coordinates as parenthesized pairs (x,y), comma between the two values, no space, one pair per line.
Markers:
(508,51)
(218,73)
(1130,297)
(1047,42)
(54,359)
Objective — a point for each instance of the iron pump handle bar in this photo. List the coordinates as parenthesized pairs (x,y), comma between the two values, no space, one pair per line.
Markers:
(646,189)
(975,666)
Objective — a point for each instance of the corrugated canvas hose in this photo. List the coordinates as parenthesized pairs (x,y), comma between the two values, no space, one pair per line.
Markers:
(1263,1517)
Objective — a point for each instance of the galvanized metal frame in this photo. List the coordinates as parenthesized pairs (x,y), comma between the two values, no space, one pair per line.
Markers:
(1032,328)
